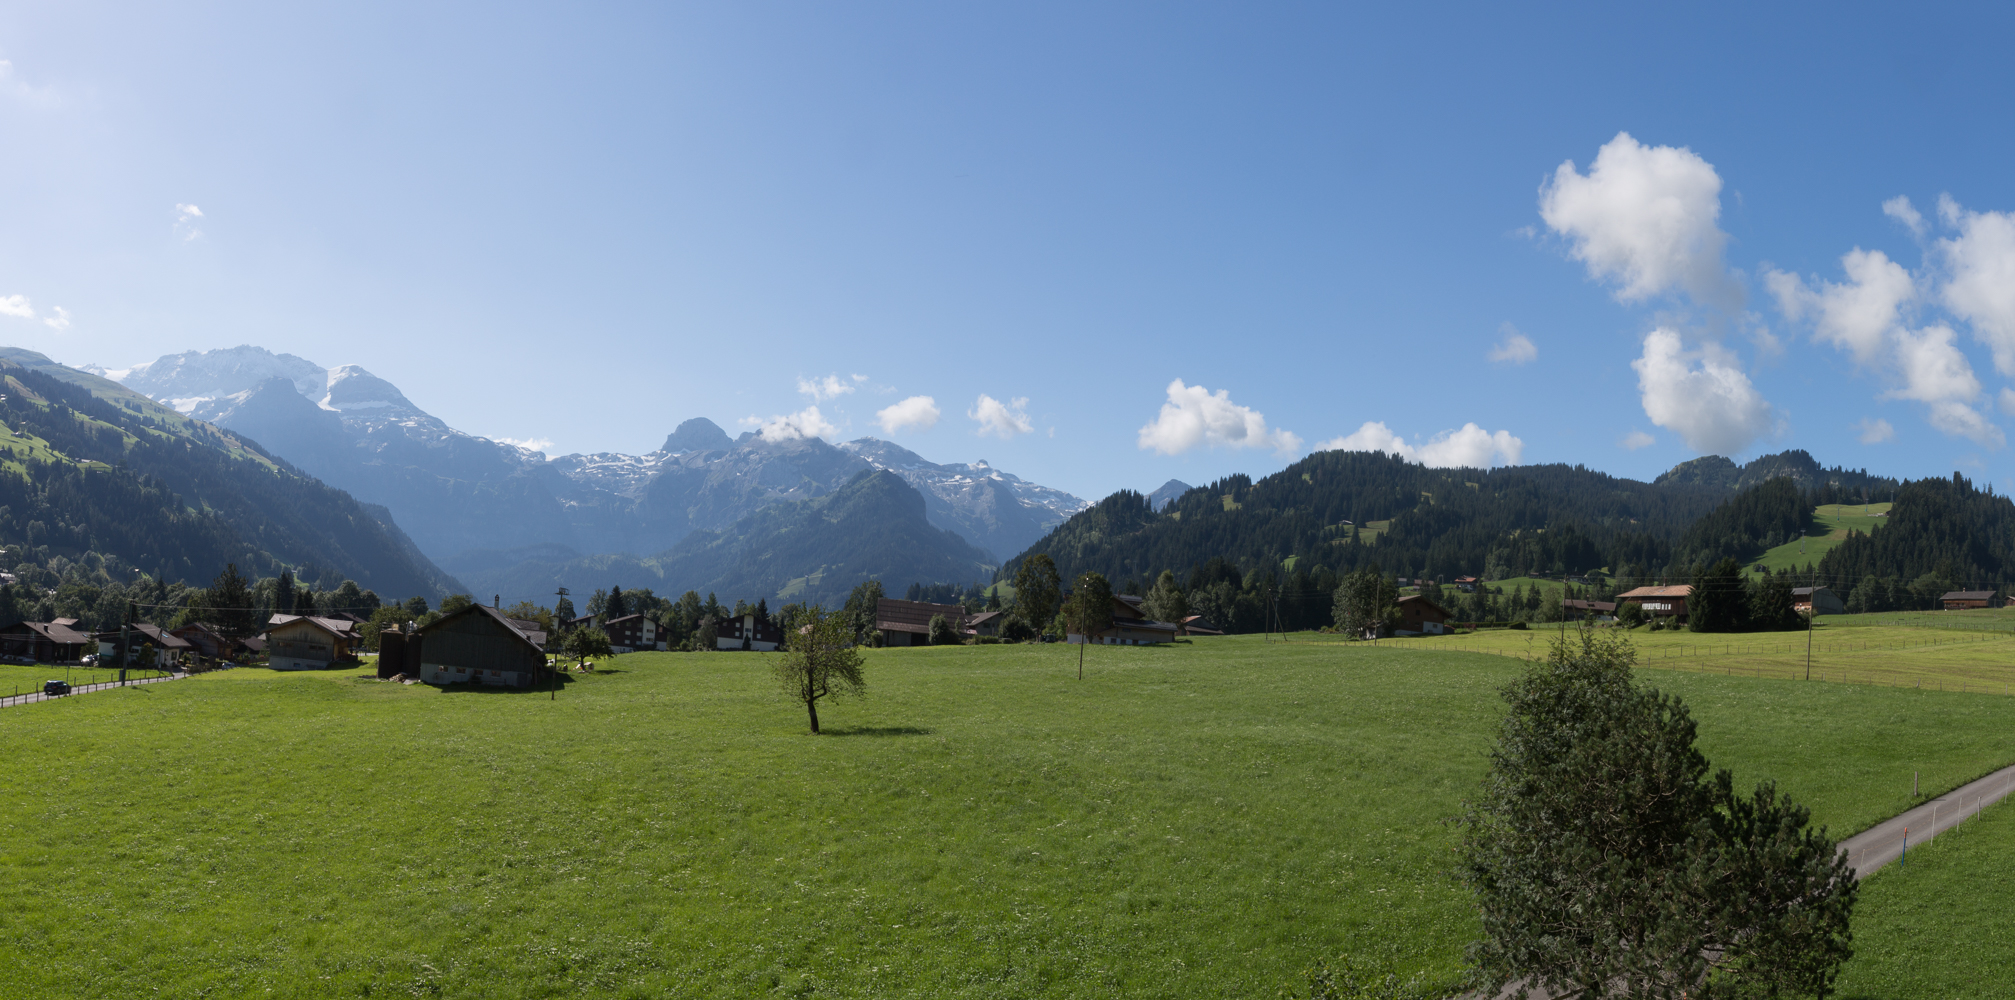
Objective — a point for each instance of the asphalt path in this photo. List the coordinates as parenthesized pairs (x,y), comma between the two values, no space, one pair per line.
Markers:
(27,699)
(1882,843)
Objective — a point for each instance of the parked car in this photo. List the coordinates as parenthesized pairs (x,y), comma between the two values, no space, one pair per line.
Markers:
(91,659)
(55,687)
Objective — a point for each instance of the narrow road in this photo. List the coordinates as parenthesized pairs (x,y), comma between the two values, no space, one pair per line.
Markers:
(26,699)
(1882,843)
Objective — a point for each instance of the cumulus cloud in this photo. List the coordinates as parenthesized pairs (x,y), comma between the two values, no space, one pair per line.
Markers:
(16,306)
(1194,415)
(1646,220)
(920,412)
(805,423)
(529,444)
(1701,396)
(1637,439)
(1981,290)
(1900,209)
(1471,447)
(1513,347)
(1865,317)
(2008,401)
(59,321)
(822,389)
(1874,431)
(1003,420)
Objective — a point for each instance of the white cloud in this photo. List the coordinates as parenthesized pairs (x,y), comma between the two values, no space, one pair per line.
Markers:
(1514,347)
(822,389)
(185,221)
(2008,401)
(60,321)
(1644,218)
(16,306)
(920,412)
(1703,397)
(805,423)
(1981,289)
(1471,447)
(1193,416)
(1874,431)
(1003,420)
(1637,439)
(1865,317)
(529,444)
(1900,209)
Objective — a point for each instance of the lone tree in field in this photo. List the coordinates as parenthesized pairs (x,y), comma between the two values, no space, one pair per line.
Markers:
(821,661)
(587,641)
(1606,862)
(1038,590)
(1089,612)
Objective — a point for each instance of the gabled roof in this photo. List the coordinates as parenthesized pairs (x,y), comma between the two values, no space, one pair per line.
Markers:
(625,618)
(336,627)
(536,640)
(150,633)
(1575,602)
(55,632)
(1426,602)
(1806,591)
(1683,590)
(1958,595)
(914,616)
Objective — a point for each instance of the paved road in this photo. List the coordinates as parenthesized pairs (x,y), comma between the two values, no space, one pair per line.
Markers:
(84,689)
(1882,843)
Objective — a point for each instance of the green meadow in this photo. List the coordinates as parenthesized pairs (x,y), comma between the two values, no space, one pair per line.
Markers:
(1203,820)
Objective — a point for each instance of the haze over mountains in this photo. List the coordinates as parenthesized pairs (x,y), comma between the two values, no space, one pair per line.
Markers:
(483,508)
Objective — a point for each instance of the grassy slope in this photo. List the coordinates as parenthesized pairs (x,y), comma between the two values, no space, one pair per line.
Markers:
(1943,925)
(1196,821)
(1835,520)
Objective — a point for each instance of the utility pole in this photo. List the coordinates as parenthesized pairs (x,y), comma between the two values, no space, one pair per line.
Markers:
(1810,613)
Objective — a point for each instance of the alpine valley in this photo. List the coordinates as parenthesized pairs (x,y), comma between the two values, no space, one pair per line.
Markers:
(508,520)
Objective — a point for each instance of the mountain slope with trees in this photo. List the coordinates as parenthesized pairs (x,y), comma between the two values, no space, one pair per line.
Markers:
(91,471)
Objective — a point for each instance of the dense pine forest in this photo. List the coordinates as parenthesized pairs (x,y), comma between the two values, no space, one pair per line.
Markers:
(110,479)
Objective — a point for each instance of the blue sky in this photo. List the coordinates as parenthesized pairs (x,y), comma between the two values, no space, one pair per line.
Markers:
(585,225)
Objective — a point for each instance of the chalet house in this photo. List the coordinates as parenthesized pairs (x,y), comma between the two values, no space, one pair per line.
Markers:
(631,633)
(1467,584)
(306,642)
(44,642)
(747,633)
(908,623)
(206,641)
(476,645)
(1575,609)
(169,648)
(985,623)
(1659,602)
(1130,626)
(1805,599)
(1958,600)
(1420,616)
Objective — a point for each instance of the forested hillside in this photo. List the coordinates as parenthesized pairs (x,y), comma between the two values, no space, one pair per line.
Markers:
(1280,544)
(1941,535)
(96,473)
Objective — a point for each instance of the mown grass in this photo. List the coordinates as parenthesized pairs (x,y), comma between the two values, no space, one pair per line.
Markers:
(1944,924)
(1834,521)
(1203,820)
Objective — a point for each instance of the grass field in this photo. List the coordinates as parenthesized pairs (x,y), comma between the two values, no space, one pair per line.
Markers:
(1975,660)
(29,679)
(1202,820)
(1944,924)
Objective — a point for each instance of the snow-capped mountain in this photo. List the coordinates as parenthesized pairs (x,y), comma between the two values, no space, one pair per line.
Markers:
(473,504)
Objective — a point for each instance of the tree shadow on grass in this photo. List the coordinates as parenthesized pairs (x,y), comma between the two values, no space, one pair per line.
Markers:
(542,686)
(876,731)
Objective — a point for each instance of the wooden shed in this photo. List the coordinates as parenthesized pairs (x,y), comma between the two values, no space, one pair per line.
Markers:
(478,645)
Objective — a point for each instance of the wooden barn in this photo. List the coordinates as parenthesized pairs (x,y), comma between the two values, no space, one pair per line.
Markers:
(45,642)
(908,623)
(478,645)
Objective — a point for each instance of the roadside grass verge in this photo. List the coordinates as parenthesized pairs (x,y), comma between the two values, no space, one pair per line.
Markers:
(1203,820)
(1944,924)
